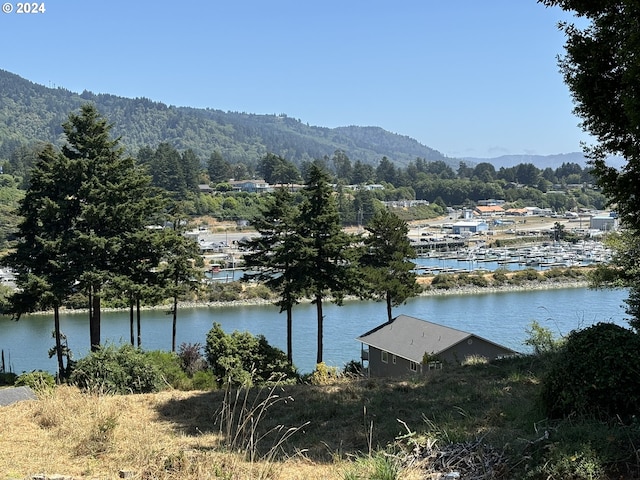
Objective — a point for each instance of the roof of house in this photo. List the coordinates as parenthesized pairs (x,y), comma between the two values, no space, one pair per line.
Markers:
(410,337)
(489,208)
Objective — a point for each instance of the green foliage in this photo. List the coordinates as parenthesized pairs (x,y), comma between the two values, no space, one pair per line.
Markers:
(378,466)
(526,275)
(37,380)
(500,276)
(241,358)
(595,372)
(444,281)
(386,262)
(7,378)
(541,339)
(169,366)
(120,370)
(323,374)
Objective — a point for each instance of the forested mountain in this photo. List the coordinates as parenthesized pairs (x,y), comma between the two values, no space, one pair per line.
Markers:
(34,113)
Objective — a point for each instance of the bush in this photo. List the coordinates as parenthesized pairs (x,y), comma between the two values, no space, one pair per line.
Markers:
(595,373)
(241,358)
(191,358)
(117,370)
(444,281)
(36,380)
(7,378)
(323,374)
(170,368)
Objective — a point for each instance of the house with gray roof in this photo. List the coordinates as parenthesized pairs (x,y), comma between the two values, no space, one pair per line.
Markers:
(408,345)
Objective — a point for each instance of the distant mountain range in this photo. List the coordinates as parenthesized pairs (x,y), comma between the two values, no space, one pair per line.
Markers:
(34,113)
(31,113)
(541,161)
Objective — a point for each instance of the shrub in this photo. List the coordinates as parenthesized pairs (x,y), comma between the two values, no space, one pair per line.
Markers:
(323,374)
(7,378)
(170,369)
(526,275)
(444,281)
(500,276)
(242,358)
(595,372)
(191,358)
(541,339)
(36,380)
(203,380)
(117,370)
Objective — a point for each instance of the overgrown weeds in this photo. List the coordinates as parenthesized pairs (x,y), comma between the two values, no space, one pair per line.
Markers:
(487,415)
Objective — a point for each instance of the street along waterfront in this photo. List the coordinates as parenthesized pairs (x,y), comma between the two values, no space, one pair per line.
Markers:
(502,317)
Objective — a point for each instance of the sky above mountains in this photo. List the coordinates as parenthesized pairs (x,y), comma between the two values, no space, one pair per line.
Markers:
(467,78)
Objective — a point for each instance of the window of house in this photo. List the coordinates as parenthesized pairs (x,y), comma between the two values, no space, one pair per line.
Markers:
(385,357)
(413,366)
(435,365)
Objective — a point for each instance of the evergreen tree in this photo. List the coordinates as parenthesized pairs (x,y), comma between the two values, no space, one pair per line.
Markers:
(386,264)
(274,255)
(326,258)
(601,68)
(180,268)
(44,268)
(218,168)
(112,199)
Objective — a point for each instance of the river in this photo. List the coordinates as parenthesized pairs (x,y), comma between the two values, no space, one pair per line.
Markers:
(501,317)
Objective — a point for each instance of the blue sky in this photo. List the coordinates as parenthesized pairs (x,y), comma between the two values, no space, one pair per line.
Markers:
(465,77)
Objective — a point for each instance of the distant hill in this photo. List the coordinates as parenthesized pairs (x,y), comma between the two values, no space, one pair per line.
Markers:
(34,113)
(540,161)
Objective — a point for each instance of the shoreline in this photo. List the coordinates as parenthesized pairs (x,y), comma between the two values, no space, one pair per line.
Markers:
(428,292)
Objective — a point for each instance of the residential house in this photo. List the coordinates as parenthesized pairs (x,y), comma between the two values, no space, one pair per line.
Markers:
(408,345)
(251,186)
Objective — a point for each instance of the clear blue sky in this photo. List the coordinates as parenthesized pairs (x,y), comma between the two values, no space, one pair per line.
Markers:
(466,77)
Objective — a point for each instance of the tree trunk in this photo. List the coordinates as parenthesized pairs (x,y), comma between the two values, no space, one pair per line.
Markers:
(175,323)
(131,332)
(56,329)
(138,322)
(289,335)
(388,295)
(320,327)
(94,320)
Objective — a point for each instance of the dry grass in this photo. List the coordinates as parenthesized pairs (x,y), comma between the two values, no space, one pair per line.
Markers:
(168,435)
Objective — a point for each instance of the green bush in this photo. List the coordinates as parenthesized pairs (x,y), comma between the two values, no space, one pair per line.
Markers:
(7,378)
(203,380)
(526,275)
(444,281)
(595,373)
(36,380)
(500,277)
(120,370)
(323,374)
(169,366)
(241,358)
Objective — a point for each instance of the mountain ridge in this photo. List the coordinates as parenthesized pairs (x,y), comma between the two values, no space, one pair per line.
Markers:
(31,112)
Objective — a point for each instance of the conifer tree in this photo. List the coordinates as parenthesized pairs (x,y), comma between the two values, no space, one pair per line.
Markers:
(274,255)
(41,261)
(326,259)
(385,262)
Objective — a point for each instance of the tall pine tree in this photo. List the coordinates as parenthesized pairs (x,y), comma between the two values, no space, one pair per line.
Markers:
(326,259)
(386,260)
(274,255)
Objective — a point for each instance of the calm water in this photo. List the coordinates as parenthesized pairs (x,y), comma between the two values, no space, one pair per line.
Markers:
(500,317)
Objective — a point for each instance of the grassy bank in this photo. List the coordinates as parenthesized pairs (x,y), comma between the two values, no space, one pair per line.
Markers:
(482,420)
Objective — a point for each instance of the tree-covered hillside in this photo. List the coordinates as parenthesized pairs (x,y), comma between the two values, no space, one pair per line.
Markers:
(32,113)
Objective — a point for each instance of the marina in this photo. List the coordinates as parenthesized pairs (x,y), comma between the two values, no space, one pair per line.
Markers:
(539,256)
